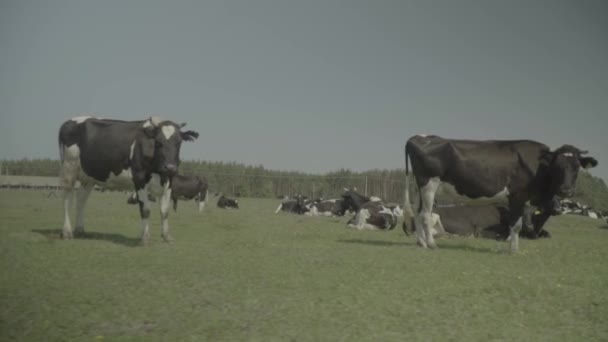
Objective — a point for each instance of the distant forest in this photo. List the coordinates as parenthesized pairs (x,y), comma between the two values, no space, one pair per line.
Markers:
(233,179)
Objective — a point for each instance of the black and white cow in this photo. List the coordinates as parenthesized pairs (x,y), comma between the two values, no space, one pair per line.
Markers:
(146,151)
(524,170)
(487,221)
(329,207)
(227,203)
(298,205)
(189,187)
(369,213)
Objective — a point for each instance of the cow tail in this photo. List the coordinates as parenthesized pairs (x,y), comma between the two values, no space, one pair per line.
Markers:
(408,213)
(279,208)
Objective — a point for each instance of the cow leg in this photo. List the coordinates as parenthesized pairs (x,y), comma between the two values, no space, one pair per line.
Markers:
(516,212)
(68,196)
(70,168)
(165,203)
(514,230)
(81,200)
(144,211)
(427,195)
(200,201)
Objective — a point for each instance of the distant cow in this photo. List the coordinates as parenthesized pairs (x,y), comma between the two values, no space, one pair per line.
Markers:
(227,203)
(523,170)
(297,205)
(189,187)
(146,151)
(330,207)
(369,214)
(488,221)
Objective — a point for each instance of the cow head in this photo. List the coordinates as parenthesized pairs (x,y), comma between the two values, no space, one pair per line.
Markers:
(162,143)
(562,166)
(352,200)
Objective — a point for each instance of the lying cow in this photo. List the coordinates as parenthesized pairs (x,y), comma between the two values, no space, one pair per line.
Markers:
(298,205)
(189,187)
(330,207)
(487,221)
(227,203)
(369,214)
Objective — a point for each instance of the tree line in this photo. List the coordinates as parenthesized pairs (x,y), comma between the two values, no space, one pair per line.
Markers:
(237,179)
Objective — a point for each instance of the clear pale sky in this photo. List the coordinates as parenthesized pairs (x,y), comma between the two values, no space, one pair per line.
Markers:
(313,85)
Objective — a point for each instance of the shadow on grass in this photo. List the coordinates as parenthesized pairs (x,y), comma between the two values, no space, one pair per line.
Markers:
(413,244)
(377,242)
(55,234)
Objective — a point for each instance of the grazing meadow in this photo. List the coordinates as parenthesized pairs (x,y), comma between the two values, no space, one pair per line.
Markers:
(251,274)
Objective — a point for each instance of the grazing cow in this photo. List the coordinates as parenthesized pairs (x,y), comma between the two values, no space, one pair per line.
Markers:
(146,151)
(524,170)
(297,205)
(369,214)
(488,221)
(189,187)
(227,203)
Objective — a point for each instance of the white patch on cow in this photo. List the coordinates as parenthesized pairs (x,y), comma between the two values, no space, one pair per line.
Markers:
(592,214)
(568,154)
(422,135)
(125,173)
(279,208)
(152,121)
(71,152)
(131,150)
(503,193)
(397,211)
(80,119)
(375,199)
(168,131)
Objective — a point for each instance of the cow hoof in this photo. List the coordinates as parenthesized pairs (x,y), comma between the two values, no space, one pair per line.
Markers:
(79,232)
(168,238)
(432,245)
(421,244)
(67,235)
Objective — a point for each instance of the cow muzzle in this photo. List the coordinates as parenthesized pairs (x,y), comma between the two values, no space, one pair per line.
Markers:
(170,169)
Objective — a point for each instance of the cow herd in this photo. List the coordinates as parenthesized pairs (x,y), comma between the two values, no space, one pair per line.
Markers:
(534,179)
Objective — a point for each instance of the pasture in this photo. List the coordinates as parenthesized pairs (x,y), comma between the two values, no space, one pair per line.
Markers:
(250,274)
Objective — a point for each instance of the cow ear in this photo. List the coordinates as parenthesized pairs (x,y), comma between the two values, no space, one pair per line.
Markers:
(189,135)
(588,162)
(182,125)
(546,156)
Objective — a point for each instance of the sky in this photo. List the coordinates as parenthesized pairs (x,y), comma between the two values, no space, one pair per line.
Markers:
(313,85)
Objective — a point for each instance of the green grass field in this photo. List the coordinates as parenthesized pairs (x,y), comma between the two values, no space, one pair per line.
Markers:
(252,275)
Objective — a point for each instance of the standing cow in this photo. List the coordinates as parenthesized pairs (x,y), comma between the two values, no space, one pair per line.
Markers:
(146,151)
(189,187)
(524,170)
